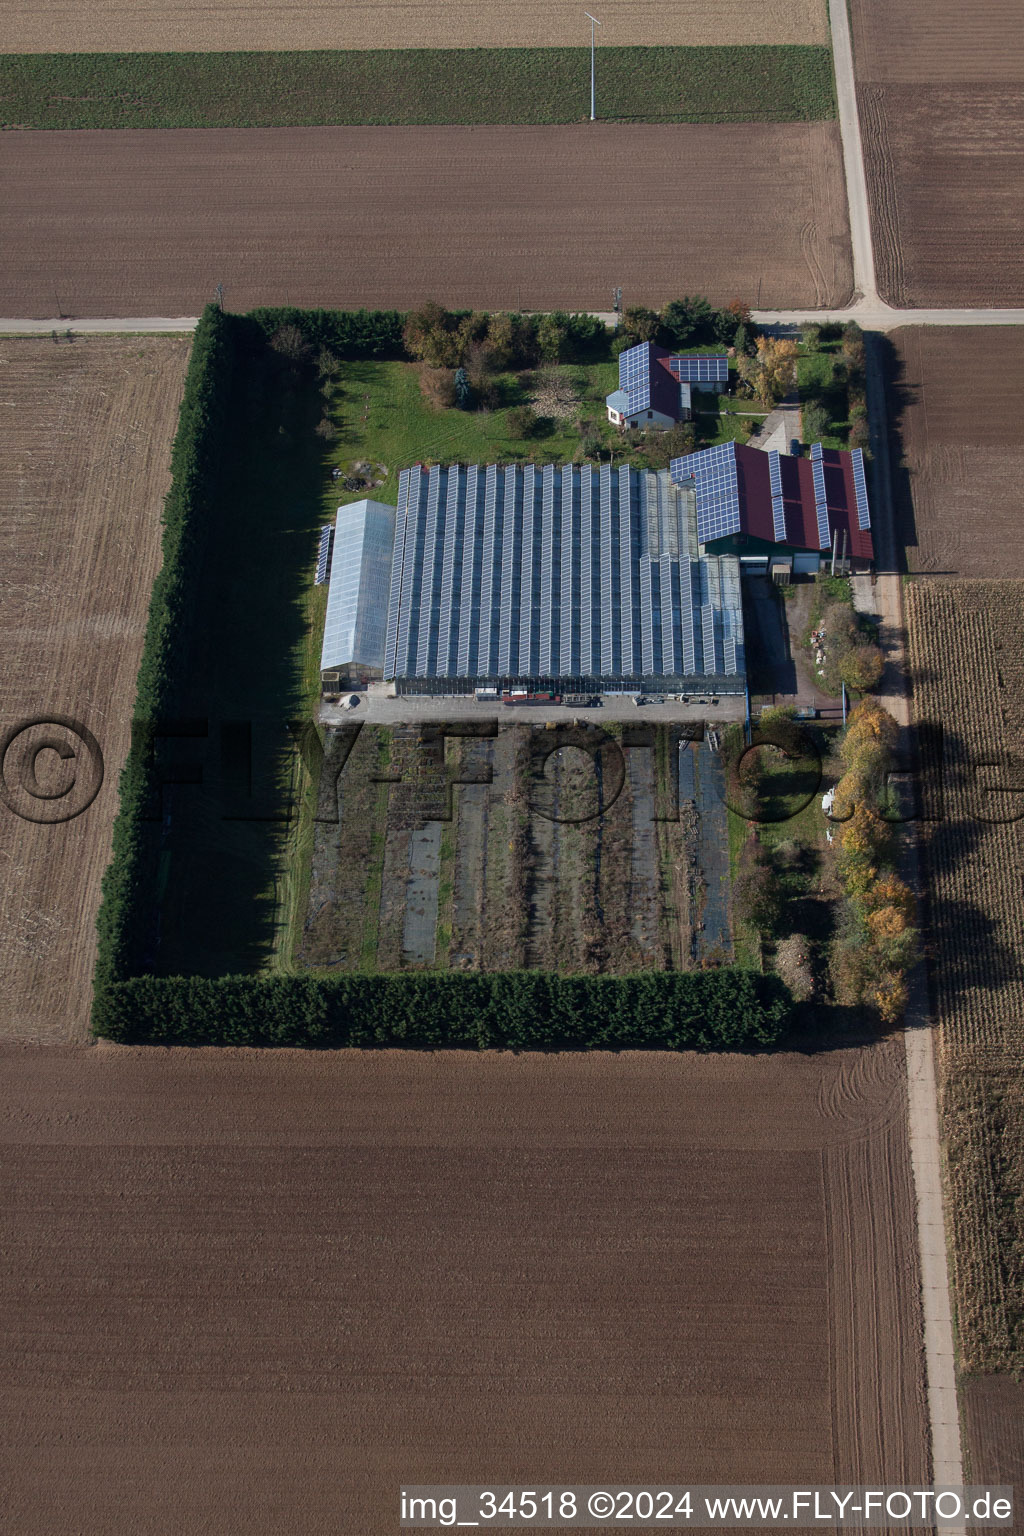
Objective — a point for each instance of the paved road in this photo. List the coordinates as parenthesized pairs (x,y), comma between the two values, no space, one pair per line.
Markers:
(853,152)
(870,314)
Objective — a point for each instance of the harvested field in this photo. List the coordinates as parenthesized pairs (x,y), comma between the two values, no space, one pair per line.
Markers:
(955,404)
(86,431)
(127,27)
(935,42)
(119,223)
(968,673)
(941,93)
(570,863)
(238,1283)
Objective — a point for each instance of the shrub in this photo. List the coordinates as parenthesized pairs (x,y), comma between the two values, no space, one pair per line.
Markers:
(639,324)
(861,667)
(522,421)
(437,385)
(432,335)
(756,893)
(815,421)
(812,337)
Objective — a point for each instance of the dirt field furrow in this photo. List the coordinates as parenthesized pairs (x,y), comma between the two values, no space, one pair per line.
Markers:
(122,223)
(190,25)
(941,101)
(959,459)
(236,1284)
(86,434)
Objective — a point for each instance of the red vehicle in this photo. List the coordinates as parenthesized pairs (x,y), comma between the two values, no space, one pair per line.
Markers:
(524,696)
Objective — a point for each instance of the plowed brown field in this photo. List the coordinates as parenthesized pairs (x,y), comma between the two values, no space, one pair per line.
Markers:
(86,431)
(129,223)
(994,1424)
(161,25)
(941,99)
(957,404)
(258,1291)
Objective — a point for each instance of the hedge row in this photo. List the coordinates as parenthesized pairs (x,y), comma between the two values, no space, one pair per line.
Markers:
(125,917)
(357,333)
(524,1010)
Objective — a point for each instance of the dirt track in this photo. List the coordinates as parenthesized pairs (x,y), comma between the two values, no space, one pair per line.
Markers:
(941,100)
(956,411)
(163,25)
(136,222)
(240,1284)
(86,432)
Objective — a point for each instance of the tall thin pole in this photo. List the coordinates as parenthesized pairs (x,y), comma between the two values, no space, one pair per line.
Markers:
(593,23)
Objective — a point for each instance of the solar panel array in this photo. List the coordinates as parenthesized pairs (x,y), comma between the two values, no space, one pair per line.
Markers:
(820,499)
(713,473)
(711,368)
(860,490)
(778,506)
(323,558)
(522,571)
(635,376)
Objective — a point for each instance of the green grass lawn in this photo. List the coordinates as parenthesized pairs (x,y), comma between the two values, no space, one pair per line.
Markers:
(815,382)
(414,85)
(382,418)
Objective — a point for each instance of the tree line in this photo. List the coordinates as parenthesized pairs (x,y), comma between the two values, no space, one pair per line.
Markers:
(724,1009)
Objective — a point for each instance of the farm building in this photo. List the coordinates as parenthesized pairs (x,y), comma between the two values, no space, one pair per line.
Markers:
(757,505)
(582,578)
(656,386)
(360,579)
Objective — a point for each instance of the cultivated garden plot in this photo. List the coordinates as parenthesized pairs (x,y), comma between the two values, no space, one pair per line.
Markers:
(149,222)
(969,682)
(86,429)
(954,408)
(502,847)
(176,25)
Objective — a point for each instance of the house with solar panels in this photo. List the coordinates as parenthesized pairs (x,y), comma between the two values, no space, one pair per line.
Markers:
(577,579)
(762,506)
(656,386)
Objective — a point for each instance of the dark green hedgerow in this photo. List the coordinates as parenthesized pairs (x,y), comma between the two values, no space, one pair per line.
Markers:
(525,1010)
(123,922)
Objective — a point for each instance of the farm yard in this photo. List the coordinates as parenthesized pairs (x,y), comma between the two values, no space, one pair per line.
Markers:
(955,401)
(86,431)
(965,656)
(510,847)
(150,222)
(170,26)
(372,1267)
(939,93)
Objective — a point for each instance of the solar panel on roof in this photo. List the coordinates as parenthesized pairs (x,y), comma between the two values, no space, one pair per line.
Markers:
(778,507)
(860,490)
(324,555)
(820,499)
(705,368)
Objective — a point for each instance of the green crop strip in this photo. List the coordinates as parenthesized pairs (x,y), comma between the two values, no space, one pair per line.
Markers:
(412,86)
